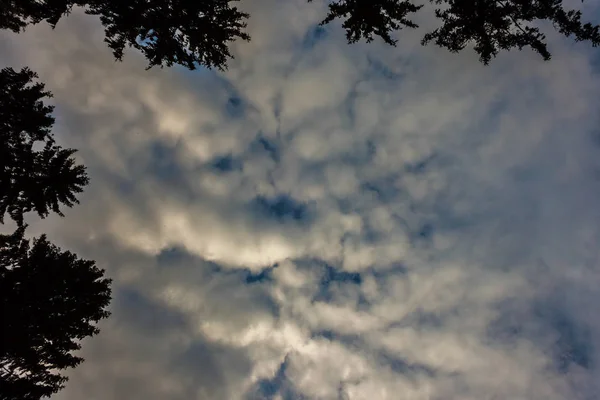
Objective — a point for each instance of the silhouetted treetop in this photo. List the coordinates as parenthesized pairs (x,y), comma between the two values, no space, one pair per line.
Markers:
(194,32)
(363,19)
(51,300)
(17,14)
(184,32)
(35,173)
(494,25)
(167,32)
(488,25)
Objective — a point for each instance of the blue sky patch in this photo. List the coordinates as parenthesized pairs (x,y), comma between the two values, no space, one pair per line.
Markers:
(226,163)
(262,145)
(281,208)
(314,36)
(235,107)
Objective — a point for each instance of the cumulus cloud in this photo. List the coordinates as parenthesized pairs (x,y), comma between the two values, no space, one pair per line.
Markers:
(325,221)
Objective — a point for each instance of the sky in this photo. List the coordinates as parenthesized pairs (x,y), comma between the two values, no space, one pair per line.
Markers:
(329,221)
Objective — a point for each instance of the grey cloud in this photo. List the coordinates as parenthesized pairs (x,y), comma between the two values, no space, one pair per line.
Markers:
(327,221)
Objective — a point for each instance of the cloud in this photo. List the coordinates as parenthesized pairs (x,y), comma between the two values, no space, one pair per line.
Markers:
(325,221)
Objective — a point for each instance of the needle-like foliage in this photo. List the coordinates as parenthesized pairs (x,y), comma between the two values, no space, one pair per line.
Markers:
(489,26)
(196,33)
(190,33)
(50,301)
(35,173)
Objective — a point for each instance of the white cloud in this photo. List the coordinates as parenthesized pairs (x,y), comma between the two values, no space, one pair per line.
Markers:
(438,241)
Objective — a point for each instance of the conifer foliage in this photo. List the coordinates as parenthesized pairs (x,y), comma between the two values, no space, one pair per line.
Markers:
(196,33)
(36,174)
(49,299)
(489,26)
(183,32)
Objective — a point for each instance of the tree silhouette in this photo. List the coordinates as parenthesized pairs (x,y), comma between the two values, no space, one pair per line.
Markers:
(167,32)
(198,32)
(32,179)
(49,299)
(17,14)
(365,18)
(50,302)
(488,25)
(494,25)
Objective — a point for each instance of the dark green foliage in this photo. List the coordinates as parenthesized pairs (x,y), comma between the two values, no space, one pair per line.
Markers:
(198,32)
(167,32)
(494,25)
(488,25)
(51,300)
(17,14)
(365,18)
(35,173)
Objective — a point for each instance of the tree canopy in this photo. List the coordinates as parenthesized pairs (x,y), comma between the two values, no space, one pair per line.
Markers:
(488,25)
(193,33)
(364,18)
(35,173)
(50,302)
(17,14)
(49,299)
(167,32)
(494,25)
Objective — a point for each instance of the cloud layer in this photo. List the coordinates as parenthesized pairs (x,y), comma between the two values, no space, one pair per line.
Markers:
(326,221)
